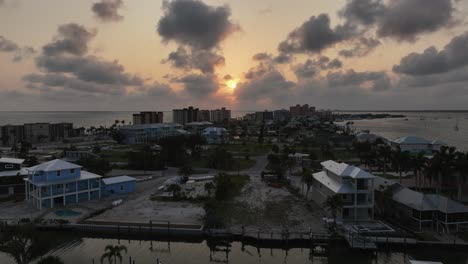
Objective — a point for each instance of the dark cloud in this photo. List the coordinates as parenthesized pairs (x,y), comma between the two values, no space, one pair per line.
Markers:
(313,36)
(71,38)
(365,12)
(205,61)
(7,45)
(198,85)
(405,19)
(227,77)
(261,56)
(19,53)
(432,61)
(362,47)
(374,80)
(195,24)
(59,82)
(310,68)
(107,10)
(67,69)
(89,68)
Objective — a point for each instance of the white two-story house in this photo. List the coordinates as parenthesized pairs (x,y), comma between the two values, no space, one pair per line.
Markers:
(354,185)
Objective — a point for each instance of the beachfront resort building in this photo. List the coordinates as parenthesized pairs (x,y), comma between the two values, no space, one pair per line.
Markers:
(147,133)
(417,144)
(354,185)
(60,183)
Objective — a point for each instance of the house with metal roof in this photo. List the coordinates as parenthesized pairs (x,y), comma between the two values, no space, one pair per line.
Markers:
(417,144)
(58,182)
(420,210)
(354,185)
(11,176)
(118,185)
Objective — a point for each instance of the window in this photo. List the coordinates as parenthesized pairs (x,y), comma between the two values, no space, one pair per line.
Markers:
(72,171)
(9,166)
(121,187)
(58,173)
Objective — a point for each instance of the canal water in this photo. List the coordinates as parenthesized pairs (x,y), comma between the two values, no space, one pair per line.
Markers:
(84,250)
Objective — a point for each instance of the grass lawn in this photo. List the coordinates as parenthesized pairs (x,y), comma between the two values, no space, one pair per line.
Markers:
(253,149)
(115,156)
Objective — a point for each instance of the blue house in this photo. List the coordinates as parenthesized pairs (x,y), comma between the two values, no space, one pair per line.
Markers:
(59,183)
(118,185)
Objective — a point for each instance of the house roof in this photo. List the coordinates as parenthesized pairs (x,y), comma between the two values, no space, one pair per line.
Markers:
(217,130)
(84,175)
(336,187)
(21,172)
(438,142)
(345,170)
(119,179)
(11,160)
(203,123)
(411,140)
(54,165)
(420,201)
(150,126)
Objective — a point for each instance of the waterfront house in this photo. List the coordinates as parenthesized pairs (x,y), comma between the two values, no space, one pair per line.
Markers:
(417,144)
(354,185)
(118,185)
(418,210)
(59,183)
(11,176)
(75,155)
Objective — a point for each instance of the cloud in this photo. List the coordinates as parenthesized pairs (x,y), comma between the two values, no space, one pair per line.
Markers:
(261,56)
(362,47)
(67,69)
(313,36)
(375,80)
(432,61)
(310,68)
(205,61)
(405,19)
(198,85)
(265,11)
(195,24)
(365,12)
(107,10)
(71,38)
(19,53)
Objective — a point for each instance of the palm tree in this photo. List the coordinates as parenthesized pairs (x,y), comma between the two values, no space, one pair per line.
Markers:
(441,165)
(384,152)
(50,260)
(209,187)
(333,204)
(307,179)
(112,253)
(461,166)
(418,164)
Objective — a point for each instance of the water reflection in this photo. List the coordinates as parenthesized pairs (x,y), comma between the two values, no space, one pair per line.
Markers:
(89,250)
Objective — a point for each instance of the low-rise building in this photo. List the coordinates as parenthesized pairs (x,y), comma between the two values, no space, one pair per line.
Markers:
(58,182)
(417,144)
(215,135)
(419,210)
(197,127)
(354,185)
(11,176)
(148,133)
(118,185)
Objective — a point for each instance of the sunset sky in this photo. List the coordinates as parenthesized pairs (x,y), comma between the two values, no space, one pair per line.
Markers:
(242,54)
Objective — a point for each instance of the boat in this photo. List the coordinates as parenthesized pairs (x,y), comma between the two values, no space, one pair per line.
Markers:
(456,128)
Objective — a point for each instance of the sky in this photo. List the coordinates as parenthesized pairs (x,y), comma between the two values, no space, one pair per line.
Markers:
(113,55)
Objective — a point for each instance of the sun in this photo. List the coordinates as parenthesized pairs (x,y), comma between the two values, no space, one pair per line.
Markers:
(232,84)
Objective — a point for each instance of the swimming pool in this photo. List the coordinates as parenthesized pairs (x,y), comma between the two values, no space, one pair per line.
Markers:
(67,213)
